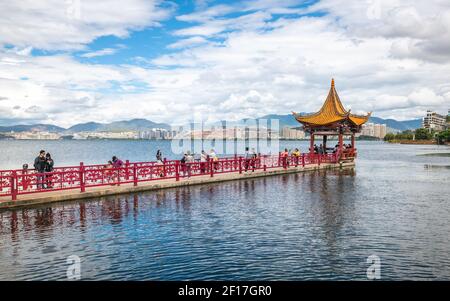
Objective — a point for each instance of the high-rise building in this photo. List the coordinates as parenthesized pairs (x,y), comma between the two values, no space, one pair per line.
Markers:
(374,130)
(434,121)
(292,133)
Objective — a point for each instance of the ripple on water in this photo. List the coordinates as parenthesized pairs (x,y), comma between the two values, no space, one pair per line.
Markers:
(296,227)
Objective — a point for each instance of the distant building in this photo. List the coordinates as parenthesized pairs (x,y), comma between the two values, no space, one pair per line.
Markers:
(448,120)
(374,130)
(35,135)
(434,121)
(292,133)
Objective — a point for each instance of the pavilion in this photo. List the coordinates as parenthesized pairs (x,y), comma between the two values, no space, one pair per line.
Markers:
(333,120)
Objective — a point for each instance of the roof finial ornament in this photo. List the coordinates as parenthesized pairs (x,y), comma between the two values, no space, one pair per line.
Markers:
(332,82)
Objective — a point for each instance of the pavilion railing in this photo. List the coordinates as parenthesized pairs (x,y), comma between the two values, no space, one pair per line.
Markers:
(21,182)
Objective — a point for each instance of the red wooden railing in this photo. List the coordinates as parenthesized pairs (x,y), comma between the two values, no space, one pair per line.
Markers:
(21,182)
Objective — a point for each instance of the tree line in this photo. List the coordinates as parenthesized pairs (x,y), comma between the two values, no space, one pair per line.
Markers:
(420,134)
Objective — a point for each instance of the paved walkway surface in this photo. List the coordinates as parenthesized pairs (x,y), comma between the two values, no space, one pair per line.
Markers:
(74,194)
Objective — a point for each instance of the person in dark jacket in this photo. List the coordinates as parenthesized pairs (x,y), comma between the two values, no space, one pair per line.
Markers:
(49,163)
(159,157)
(116,162)
(39,166)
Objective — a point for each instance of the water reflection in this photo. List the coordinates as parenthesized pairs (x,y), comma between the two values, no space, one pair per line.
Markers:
(299,226)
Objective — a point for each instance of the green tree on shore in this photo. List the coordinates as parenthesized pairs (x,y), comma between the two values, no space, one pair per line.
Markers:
(443,137)
(423,134)
(418,134)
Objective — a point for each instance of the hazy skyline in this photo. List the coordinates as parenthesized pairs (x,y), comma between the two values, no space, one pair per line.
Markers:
(67,62)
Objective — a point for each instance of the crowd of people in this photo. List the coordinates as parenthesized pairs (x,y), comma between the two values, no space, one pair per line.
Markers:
(321,150)
(44,164)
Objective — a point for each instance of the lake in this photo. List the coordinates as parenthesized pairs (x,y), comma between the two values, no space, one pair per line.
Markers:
(311,226)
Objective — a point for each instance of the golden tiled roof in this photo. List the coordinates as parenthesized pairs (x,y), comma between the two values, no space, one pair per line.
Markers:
(332,111)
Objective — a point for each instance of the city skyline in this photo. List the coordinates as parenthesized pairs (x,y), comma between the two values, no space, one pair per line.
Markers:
(224,60)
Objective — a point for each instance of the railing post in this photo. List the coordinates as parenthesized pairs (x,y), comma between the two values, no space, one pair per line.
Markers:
(177,170)
(14,185)
(82,179)
(135,178)
(212,168)
(264,167)
(164,167)
(127,172)
(240,164)
(319,158)
(303,160)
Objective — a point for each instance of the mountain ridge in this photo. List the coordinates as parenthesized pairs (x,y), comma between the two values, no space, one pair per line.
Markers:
(141,124)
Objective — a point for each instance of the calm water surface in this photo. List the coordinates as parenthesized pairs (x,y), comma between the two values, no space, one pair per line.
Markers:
(394,204)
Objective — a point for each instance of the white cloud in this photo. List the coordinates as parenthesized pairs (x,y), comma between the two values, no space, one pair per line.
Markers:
(381,63)
(56,24)
(101,52)
(189,42)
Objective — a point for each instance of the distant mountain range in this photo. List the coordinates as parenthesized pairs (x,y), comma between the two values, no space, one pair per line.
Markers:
(144,124)
(289,121)
(125,125)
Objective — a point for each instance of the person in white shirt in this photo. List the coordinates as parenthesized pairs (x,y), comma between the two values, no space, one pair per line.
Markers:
(189,161)
(204,158)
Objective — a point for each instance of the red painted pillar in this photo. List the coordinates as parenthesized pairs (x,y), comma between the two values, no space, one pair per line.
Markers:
(341,143)
(311,144)
(82,179)
(135,177)
(303,160)
(353,144)
(211,166)
(14,185)
(127,171)
(177,170)
(164,167)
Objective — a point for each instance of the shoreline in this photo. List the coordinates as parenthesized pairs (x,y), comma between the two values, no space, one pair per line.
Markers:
(414,142)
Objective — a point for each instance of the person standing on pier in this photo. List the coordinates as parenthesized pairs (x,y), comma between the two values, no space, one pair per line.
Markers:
(284,158)
(159,157)
(214,158)
(189,162)
(49,163)
(39,166)
(253,160)
(204,158)
(160,163)
(248,158)
(296,155)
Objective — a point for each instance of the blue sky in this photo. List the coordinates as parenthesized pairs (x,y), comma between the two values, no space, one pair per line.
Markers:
(66,62)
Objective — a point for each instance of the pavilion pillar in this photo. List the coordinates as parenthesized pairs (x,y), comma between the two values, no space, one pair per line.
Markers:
(311,143)
(324,143)
(353,142)
(341,142)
